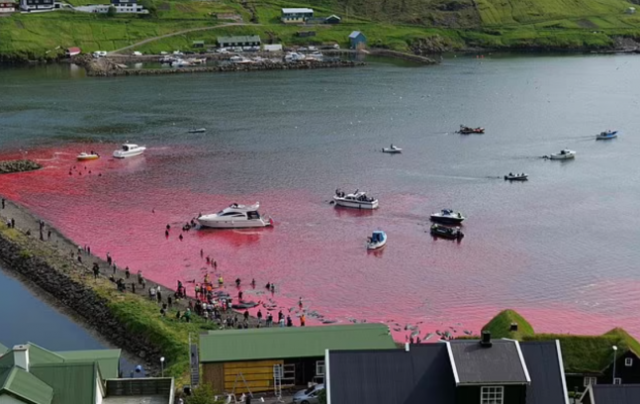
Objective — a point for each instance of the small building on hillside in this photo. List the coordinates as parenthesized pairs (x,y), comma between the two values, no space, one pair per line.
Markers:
(449,372)
(357,40)
(197,44)
(30,374)
(296,15)
(7,6)
(332,19)
(242,41)
(272,48)
(37,5)
(121,6)
(611,394)
(74,51)
(631,10)
(238,360)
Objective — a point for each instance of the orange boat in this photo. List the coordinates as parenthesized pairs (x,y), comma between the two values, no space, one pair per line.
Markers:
(88,156)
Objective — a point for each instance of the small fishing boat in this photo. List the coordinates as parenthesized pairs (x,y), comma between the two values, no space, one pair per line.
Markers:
(236,216)
(447,216)
(87,156)
(377,240)
(199,130)
(609,134)
(392,149)
(129,150)
(516,177)
(564,154)
(451,233)
(358,200)
(466,130)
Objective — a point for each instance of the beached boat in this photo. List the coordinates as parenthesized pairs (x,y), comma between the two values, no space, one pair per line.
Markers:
(516,177)
(451,233)
(358,200)
(293,57)
(564,154)
(447,216)
(466,130)
(240,60)
(377,240)
(199,130)
(87,156)
(129,150)
(606,135)
(392,149)
(235,216)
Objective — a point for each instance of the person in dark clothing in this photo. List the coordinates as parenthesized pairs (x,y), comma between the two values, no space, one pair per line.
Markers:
(140,277)
(13,223)
(253,283)
(159,296)
(268,286)
(246,315)
(269,320)
(109,260)
(96,270)
(238,281)
(127,273)
(280,315)
(259,315)
(240,296)
(2,203)
(289,322)
(48,234)
(133,288)
(169,301)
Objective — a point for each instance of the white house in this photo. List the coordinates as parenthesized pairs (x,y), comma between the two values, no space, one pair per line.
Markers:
(37,5)
(272,48)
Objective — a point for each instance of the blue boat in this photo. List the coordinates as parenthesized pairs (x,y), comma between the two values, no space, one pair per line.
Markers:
(377,240)
(609,134)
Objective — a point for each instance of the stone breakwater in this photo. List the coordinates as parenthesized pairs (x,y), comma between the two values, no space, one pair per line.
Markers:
(81,299)
(17,166)
(109,72)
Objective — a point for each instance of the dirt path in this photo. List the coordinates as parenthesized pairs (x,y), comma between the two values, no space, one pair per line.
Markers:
(186,31)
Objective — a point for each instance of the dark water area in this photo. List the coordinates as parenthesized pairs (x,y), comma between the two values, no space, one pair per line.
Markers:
(549,248)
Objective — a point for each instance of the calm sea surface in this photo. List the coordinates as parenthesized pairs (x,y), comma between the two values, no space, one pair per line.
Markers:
(562,248)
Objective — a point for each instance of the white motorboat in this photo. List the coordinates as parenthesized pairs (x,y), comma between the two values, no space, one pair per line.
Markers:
(564,154)
(199,130)
(392,149)
(358,200)
(609,134)
(235,216)
(377,240)
(241,60)
(516,177)
(293,57)
(84,156)
(447,216)
(129,150)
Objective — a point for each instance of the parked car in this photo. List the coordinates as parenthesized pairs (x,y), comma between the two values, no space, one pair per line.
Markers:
(308,396)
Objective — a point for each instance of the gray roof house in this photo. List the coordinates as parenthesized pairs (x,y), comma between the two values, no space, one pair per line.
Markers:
(449,372)
(611,394)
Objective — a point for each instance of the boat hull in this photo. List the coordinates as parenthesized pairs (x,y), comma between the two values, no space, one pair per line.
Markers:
(356,204)
(447,235)
(607,137)
(392,151)
(562,157)
(88,158)
(378,245)
(119,154)
(234,224)
(507,178)
(446,220)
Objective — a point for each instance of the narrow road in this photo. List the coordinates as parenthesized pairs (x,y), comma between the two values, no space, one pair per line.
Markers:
(186,31)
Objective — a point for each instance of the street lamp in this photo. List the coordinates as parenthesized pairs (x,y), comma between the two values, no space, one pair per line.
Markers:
(162,366)
(615,349)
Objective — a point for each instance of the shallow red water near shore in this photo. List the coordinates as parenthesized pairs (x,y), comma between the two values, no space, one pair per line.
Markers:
(314,250)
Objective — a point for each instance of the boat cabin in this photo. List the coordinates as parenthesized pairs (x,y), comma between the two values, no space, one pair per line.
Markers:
(377,236)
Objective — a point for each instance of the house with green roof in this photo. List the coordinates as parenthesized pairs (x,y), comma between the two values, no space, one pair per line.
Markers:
(30,374)
(588,359)
(249,360)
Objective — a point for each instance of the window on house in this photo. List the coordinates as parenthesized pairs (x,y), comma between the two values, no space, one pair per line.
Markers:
(319,368)
(617,380)
(588,381)
(628,361)
(492,395)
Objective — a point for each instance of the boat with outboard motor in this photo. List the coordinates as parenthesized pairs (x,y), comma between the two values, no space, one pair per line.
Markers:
(199,130)
(606,135)
(235,216)
(564,154)
(451,233)
(88,156)
(377,240)
(466,130)
(358,200)
(392,149)
(447,216)
(129,150)
(516,177)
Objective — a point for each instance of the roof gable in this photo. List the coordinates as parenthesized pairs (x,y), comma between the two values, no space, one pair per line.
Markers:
(544,363)
(108,360)
(501,363)
(298,342)
(355,34)
(23,384)
(39,355)
(73,383)
(422,375)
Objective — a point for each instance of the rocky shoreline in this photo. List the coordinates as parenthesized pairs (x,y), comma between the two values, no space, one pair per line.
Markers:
(18,166)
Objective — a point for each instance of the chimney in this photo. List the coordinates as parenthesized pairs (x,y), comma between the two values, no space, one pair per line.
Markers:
(486,339)
(21,356)
(513,327)
(406,347)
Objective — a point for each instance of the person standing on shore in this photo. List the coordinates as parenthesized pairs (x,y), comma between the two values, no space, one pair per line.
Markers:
(48,234)
(2,203)
(259,315)
(289,322)
(269,320)
(109,260)
(139,277)
(127,273)
(159,295)
(303,320)
(96,270)
(13,223)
